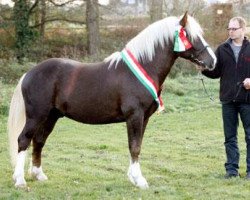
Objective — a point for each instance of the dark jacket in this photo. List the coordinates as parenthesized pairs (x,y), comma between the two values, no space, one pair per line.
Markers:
(232,74)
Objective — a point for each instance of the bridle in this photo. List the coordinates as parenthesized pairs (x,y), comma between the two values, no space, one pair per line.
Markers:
(194,57)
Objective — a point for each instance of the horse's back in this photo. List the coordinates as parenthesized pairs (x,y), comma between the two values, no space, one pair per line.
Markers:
(57,70)
(82,91)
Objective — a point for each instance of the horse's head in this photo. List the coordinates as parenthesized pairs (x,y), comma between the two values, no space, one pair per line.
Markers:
(198,52)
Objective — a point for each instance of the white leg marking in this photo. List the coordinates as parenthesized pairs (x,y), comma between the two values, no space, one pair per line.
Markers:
(135,175)
(37,172)
(18,175)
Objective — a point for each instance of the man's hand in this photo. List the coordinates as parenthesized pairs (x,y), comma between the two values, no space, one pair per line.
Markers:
(246,83)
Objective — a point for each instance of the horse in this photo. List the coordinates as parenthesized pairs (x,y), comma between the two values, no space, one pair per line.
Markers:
(110,91)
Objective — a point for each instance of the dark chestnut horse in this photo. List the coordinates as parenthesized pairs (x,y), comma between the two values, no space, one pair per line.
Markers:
(101,93)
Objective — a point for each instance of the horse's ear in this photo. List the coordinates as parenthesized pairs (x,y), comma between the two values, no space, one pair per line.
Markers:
(184,19)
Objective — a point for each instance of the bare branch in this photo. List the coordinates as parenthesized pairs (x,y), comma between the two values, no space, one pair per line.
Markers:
(60,5)
(60,19)
(33,6)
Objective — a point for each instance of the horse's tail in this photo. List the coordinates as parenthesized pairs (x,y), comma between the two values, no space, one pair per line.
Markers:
(16,120)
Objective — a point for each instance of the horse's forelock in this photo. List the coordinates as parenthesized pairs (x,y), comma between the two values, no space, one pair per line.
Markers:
(193,28)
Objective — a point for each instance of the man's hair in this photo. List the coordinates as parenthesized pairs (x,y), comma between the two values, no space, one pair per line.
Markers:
(241,20)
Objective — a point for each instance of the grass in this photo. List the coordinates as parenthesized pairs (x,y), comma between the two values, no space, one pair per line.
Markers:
(182,154)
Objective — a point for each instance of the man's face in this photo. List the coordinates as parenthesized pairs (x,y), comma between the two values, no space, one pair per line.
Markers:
(235,31)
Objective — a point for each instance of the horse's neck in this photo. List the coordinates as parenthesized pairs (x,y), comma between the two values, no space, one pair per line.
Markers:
(161,65)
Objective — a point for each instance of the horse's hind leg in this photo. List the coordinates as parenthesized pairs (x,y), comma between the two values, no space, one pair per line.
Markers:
(24,140)
(38,143)
(36,130)
(136,127)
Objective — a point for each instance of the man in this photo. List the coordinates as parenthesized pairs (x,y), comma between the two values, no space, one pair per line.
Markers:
(233,69)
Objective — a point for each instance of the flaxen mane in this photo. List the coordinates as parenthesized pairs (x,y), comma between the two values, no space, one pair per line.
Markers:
(159,33)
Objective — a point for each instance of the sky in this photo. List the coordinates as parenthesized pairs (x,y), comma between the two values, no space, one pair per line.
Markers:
(216,1)
(103,2)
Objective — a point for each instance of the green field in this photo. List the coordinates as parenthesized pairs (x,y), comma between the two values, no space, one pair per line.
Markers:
(182,154)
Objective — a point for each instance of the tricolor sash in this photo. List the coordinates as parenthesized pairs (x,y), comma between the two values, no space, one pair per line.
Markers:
(142,76)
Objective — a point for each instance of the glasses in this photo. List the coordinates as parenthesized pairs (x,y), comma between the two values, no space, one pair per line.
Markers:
(233,29)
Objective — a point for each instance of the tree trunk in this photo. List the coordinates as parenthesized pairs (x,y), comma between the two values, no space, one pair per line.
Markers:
(93,35)
(176,7)
(43,18)
(144,3)
(22,30)
(156,10)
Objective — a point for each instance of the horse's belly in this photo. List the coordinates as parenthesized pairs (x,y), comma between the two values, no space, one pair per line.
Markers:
(95,114)
(97,120)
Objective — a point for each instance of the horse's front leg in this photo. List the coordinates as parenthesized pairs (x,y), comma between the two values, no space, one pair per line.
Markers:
(136,126)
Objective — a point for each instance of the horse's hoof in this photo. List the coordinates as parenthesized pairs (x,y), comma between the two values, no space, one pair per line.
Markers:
(41,177)
(142,183)
(20,183)
(38,174)
(21,186)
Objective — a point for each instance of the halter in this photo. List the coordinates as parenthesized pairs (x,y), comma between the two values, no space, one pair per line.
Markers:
(194,57)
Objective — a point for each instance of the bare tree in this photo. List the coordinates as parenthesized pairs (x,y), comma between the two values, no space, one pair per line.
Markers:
(179,7)
(176,7)
(92,21)
(24,34)
(43,17)
(156,10)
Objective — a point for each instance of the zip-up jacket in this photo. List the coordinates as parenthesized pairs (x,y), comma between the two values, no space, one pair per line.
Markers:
(232,74)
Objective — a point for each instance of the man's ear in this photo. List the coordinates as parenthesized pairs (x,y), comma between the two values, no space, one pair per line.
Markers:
(183,21)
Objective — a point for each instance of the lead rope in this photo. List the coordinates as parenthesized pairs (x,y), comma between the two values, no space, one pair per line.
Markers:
(201,77)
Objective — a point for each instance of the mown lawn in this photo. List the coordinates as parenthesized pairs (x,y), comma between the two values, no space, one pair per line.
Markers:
(182,155)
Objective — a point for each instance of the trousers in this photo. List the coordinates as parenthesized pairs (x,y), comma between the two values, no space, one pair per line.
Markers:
(230,113)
